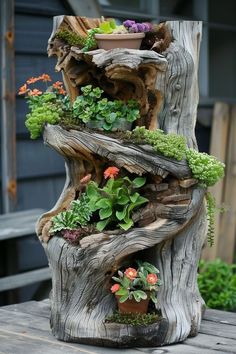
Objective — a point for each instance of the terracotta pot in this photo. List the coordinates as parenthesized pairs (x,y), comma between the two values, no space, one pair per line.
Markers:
(123,40)
(132,306)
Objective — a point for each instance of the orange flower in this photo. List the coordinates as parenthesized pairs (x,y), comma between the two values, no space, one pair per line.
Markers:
(23,89)
(45,77)
(111,172)
(32,80)
(34,92)
(131,273)
(152,279)
(57,84)
(61,91)
(115,288)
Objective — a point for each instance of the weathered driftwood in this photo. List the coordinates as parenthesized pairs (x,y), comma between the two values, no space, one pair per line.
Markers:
(169,231)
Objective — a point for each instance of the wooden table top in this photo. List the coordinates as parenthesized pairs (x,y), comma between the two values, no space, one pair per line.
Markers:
(25,329)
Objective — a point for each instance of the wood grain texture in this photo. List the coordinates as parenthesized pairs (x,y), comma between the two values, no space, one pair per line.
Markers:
(169,233)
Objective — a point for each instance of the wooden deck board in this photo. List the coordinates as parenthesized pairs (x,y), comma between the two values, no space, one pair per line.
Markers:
(25,329)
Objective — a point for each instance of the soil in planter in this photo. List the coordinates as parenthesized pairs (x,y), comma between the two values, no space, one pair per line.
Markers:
(134,319)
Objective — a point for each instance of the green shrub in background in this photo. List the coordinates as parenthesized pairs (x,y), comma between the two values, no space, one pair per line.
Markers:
(217,284)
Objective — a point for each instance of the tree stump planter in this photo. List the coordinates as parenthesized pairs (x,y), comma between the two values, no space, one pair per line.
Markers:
(169,232)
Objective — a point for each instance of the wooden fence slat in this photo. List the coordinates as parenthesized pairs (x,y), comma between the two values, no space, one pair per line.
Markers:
(226,248)
(23,279)
(218,148)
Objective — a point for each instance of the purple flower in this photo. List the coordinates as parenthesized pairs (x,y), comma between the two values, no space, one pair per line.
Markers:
(141,27)
(148,26)
(133,28)
(128,23)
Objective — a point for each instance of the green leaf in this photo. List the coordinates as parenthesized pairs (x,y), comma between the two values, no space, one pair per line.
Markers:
(121,214)
(123,298)
(153,297)
(141,294)
(134,197)
(118,280)
(126,226)
(125,282)
(122,292)
(139,181)
(104,203)
(105,213)
(123,200)
(107,126)
(102,224)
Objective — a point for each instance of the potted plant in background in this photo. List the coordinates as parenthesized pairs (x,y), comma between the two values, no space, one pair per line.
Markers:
(108,35)
(135,287)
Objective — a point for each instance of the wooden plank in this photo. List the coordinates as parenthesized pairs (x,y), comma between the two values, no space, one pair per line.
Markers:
(228,219)
(220,316)
(178,348)
(218,148)
(35,308)
(23,279)
(218,329)
(222,345)
(18,224)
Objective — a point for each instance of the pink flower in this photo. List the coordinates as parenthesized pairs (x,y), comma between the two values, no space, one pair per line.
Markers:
(131,273)
(152,279)
(111,172)
(22,90)
(115,288)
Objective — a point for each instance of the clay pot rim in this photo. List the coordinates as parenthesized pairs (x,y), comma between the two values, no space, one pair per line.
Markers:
(120,36)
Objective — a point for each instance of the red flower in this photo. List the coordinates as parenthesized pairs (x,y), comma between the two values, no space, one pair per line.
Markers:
(131,273)
(115,288)
(34,92)
(61,91)
(111,172)
(22,90)
(45,77)
(152,279)
(32,80)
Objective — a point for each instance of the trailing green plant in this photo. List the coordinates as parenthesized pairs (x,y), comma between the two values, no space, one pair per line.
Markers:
(217,284)
(211,209)
(45,107)
(90,106)
(77,216)
(137,284)
(133,319)
(71,38)
(116,200)
(206,168)
(169,145)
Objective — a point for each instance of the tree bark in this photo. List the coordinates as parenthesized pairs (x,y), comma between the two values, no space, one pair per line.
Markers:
(169,232)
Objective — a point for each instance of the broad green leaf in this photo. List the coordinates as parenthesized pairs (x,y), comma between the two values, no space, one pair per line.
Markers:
(153,297)
(134,197)
(122,292)
(126,226)
(136,296)
(107,126)
(125,282)
(123,298)
(121,214)
(105,213)
(118,280)
(139,181)
(104,203)
(123,200)
(102,224)
(141,294)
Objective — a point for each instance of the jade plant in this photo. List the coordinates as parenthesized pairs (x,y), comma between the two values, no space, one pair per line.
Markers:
(138,283)
(116,201)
